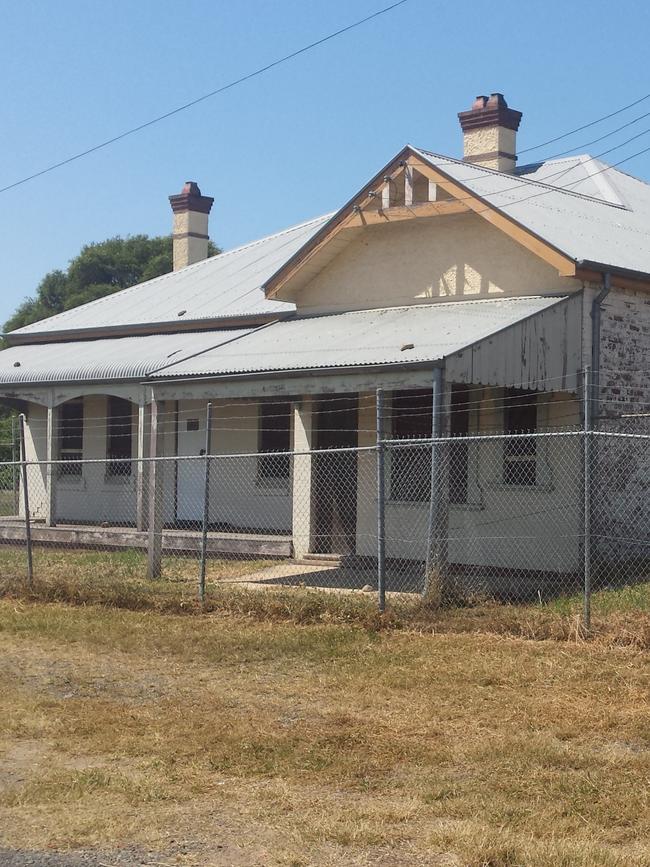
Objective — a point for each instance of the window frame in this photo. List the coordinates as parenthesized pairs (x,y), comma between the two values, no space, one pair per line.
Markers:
(520,452)
(119,466)
(70,428)
(410,422)
(268,459)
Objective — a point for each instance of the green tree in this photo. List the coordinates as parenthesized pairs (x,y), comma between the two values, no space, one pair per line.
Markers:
(99,269)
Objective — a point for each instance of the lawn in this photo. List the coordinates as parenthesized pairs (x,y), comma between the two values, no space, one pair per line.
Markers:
(224,739)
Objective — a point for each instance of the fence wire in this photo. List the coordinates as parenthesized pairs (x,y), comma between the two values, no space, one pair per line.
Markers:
(511,518)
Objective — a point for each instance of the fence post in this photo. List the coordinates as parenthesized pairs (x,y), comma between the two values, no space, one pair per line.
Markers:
(586,397)
(433,560)
(28,528)
(381,504)
(206,503)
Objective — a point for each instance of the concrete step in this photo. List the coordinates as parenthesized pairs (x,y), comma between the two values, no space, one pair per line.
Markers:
(322,559)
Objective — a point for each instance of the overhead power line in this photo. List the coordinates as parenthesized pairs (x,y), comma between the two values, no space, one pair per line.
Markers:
(586,125)
(205,96)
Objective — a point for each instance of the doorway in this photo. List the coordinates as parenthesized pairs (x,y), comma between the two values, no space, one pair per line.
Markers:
(190,475)
(334,491)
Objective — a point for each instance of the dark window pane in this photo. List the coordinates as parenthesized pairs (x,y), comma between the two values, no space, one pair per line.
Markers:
(119,437)
(71,420)
(410,473)
(274,436)
(411,413)
(410,468)
(519,455)
(458,450)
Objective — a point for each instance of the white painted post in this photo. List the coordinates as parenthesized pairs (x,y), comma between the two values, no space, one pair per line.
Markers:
(51,454)
(385,194)
(302,475)
(141,516)
(25,480)
(156,475)
(408,186)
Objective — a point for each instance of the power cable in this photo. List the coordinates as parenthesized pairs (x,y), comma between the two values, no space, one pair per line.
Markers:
(586,125)
(205,96)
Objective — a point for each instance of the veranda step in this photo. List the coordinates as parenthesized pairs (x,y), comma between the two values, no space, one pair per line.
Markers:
(323,559)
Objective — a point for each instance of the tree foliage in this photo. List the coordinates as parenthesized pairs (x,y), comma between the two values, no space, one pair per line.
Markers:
(100,269)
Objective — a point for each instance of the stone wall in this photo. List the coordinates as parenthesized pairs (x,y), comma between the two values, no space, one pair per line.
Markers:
(621,500)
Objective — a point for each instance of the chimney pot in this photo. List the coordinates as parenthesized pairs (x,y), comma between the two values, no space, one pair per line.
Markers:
(190,228)
(497,100)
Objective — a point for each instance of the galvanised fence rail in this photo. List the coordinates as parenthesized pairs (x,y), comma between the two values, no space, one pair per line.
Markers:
(515,518)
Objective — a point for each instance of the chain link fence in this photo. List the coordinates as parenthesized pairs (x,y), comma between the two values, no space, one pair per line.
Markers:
(512,518)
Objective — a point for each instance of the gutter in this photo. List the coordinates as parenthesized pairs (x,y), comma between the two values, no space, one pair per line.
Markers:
(601,268)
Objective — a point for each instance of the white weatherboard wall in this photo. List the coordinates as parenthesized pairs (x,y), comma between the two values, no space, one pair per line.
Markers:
(95,496)
(437,259)
(236,497)
(536,528)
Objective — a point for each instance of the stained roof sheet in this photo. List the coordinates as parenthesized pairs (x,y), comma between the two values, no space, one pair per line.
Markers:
(224,286)
(419,333)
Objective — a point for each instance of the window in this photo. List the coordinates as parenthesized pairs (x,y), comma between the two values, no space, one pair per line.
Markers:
(520,454)
(274,436)
(410,471)
(410,467)
(459,450)
(119,437)
(71,422)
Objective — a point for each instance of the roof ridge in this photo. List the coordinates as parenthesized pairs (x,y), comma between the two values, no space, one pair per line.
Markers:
(518,178)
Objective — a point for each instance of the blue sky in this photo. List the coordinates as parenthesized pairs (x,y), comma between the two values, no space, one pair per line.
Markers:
(296,142)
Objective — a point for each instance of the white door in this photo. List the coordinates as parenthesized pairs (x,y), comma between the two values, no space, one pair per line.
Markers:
(190,478)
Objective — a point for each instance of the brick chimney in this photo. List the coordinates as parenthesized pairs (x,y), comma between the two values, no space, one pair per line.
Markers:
(490,133)
(190,232)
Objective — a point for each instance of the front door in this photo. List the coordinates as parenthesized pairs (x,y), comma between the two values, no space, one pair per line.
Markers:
(334,491)
(190,475)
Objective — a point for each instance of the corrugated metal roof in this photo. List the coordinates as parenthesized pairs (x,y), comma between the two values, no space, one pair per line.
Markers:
(227,285)
(360,338)
(103,360)
(605,217)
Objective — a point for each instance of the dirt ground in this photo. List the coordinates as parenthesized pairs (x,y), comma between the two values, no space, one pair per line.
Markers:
(135,738)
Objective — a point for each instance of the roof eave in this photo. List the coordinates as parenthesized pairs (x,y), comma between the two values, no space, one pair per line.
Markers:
(587,269)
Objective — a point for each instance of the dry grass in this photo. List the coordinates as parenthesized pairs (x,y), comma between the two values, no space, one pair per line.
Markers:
(620,617)
(262,743)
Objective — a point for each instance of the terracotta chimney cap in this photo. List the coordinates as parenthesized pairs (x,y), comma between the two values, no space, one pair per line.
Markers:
(190,199)
(490,111)
(497,100)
